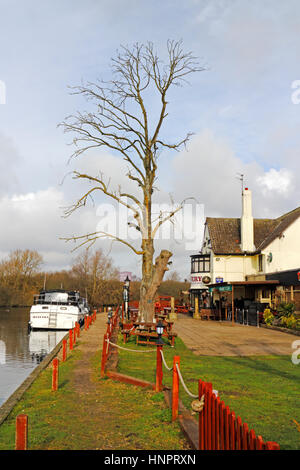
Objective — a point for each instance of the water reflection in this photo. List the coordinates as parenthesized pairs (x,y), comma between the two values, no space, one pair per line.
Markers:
(42,342)
(20,352)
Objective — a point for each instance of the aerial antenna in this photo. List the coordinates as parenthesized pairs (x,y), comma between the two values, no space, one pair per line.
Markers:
(241,178)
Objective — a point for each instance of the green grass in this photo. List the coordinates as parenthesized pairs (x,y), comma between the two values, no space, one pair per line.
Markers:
(262,390)
(113,416)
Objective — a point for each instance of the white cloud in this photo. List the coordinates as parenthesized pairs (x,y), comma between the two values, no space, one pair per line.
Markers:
(280,181)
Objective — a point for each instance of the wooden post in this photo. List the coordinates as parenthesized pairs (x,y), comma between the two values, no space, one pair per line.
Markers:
(208,400)
(245,435)
(104,354)
(175,388)
(21,432)
(272,446)
(232,430)
(196,312)
(64,354)
(74,335)
(201,416)
(71,340)
(55,375)
(159,370)
(232,305)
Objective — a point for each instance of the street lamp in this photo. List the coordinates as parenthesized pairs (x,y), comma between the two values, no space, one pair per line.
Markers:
(126,287)
(159,330)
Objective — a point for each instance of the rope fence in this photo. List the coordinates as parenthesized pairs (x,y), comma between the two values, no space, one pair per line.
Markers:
(219,428)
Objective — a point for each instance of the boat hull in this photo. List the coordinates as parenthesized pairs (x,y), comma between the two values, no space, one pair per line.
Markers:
(55,317)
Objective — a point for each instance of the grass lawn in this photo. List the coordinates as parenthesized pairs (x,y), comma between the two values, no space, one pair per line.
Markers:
(262,390)
(110,416)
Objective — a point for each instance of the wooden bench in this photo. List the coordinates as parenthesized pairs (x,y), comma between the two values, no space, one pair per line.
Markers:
(207,313)
(146,337)
(127,331)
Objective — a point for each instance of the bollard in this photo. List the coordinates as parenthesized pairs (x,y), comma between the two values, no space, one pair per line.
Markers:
(21,432)
(159,370)
(175,388)
(74,335)
(64,354)
(77,329)
(104,354)
(55,375)
(71,340)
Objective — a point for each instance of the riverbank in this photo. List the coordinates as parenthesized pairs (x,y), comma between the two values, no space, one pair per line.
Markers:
(89,413)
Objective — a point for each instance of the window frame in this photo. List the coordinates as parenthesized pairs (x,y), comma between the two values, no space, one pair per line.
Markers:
(200,264)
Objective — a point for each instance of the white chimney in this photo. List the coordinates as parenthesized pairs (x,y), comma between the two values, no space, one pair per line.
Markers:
(247,235)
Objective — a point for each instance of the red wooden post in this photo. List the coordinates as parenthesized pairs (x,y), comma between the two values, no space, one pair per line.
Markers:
(245,437)
(64,354)
(239,433)
(214,437)
(175,388)
(55,375)
(104,354)
(226,427)
(78,330)
(222,435)
(201,416)
(252,440)
(21,432)
(259,443)
(71,340)
(270,445)
(217,442)
(209,416)
(232,430)
(74,335)
(159,370)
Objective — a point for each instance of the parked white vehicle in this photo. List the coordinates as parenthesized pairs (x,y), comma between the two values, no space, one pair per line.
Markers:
(57,310)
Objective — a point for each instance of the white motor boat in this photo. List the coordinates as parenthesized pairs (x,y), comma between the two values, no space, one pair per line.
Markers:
(57,310)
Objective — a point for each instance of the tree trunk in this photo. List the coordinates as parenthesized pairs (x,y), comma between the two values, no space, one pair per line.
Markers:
(151,282)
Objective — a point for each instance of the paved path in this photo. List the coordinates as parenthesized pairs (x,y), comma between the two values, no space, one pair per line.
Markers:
(213,338)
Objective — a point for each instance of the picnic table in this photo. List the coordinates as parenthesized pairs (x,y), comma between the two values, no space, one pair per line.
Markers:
(146,332)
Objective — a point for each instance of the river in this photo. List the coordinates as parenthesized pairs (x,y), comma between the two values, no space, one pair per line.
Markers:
(21,352)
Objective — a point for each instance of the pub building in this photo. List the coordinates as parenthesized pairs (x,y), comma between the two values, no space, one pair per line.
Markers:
(247,263)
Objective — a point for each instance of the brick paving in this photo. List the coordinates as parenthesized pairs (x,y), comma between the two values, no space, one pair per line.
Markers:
(214,338)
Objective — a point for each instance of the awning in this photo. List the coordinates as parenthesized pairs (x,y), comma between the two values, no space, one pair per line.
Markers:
(227,286)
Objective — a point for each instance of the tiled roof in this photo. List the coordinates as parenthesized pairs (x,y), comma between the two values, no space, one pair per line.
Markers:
(225,233)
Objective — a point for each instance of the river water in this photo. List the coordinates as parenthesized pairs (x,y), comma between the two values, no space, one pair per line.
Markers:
(21,352)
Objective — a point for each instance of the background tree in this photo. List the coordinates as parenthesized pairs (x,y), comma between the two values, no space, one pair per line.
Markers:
(18,277)
(125,121)
(94,274)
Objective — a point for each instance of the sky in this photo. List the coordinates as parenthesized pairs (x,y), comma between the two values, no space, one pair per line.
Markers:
(243,111)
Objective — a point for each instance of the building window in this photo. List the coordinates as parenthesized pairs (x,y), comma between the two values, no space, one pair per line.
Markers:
(200,264)
(260,263)
(266,294)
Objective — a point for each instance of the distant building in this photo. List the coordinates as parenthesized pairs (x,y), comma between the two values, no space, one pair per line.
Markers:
(257,259)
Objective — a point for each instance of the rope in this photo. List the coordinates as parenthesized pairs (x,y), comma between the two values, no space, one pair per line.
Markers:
(131,350)
(183,384)
(165,364)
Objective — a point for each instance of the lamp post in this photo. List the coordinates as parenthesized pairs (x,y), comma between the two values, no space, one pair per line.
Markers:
(159,330)
(109,317)
(126,287)
(159,345)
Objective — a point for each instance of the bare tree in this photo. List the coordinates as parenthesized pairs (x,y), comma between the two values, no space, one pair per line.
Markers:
(124,123)
(91,271)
